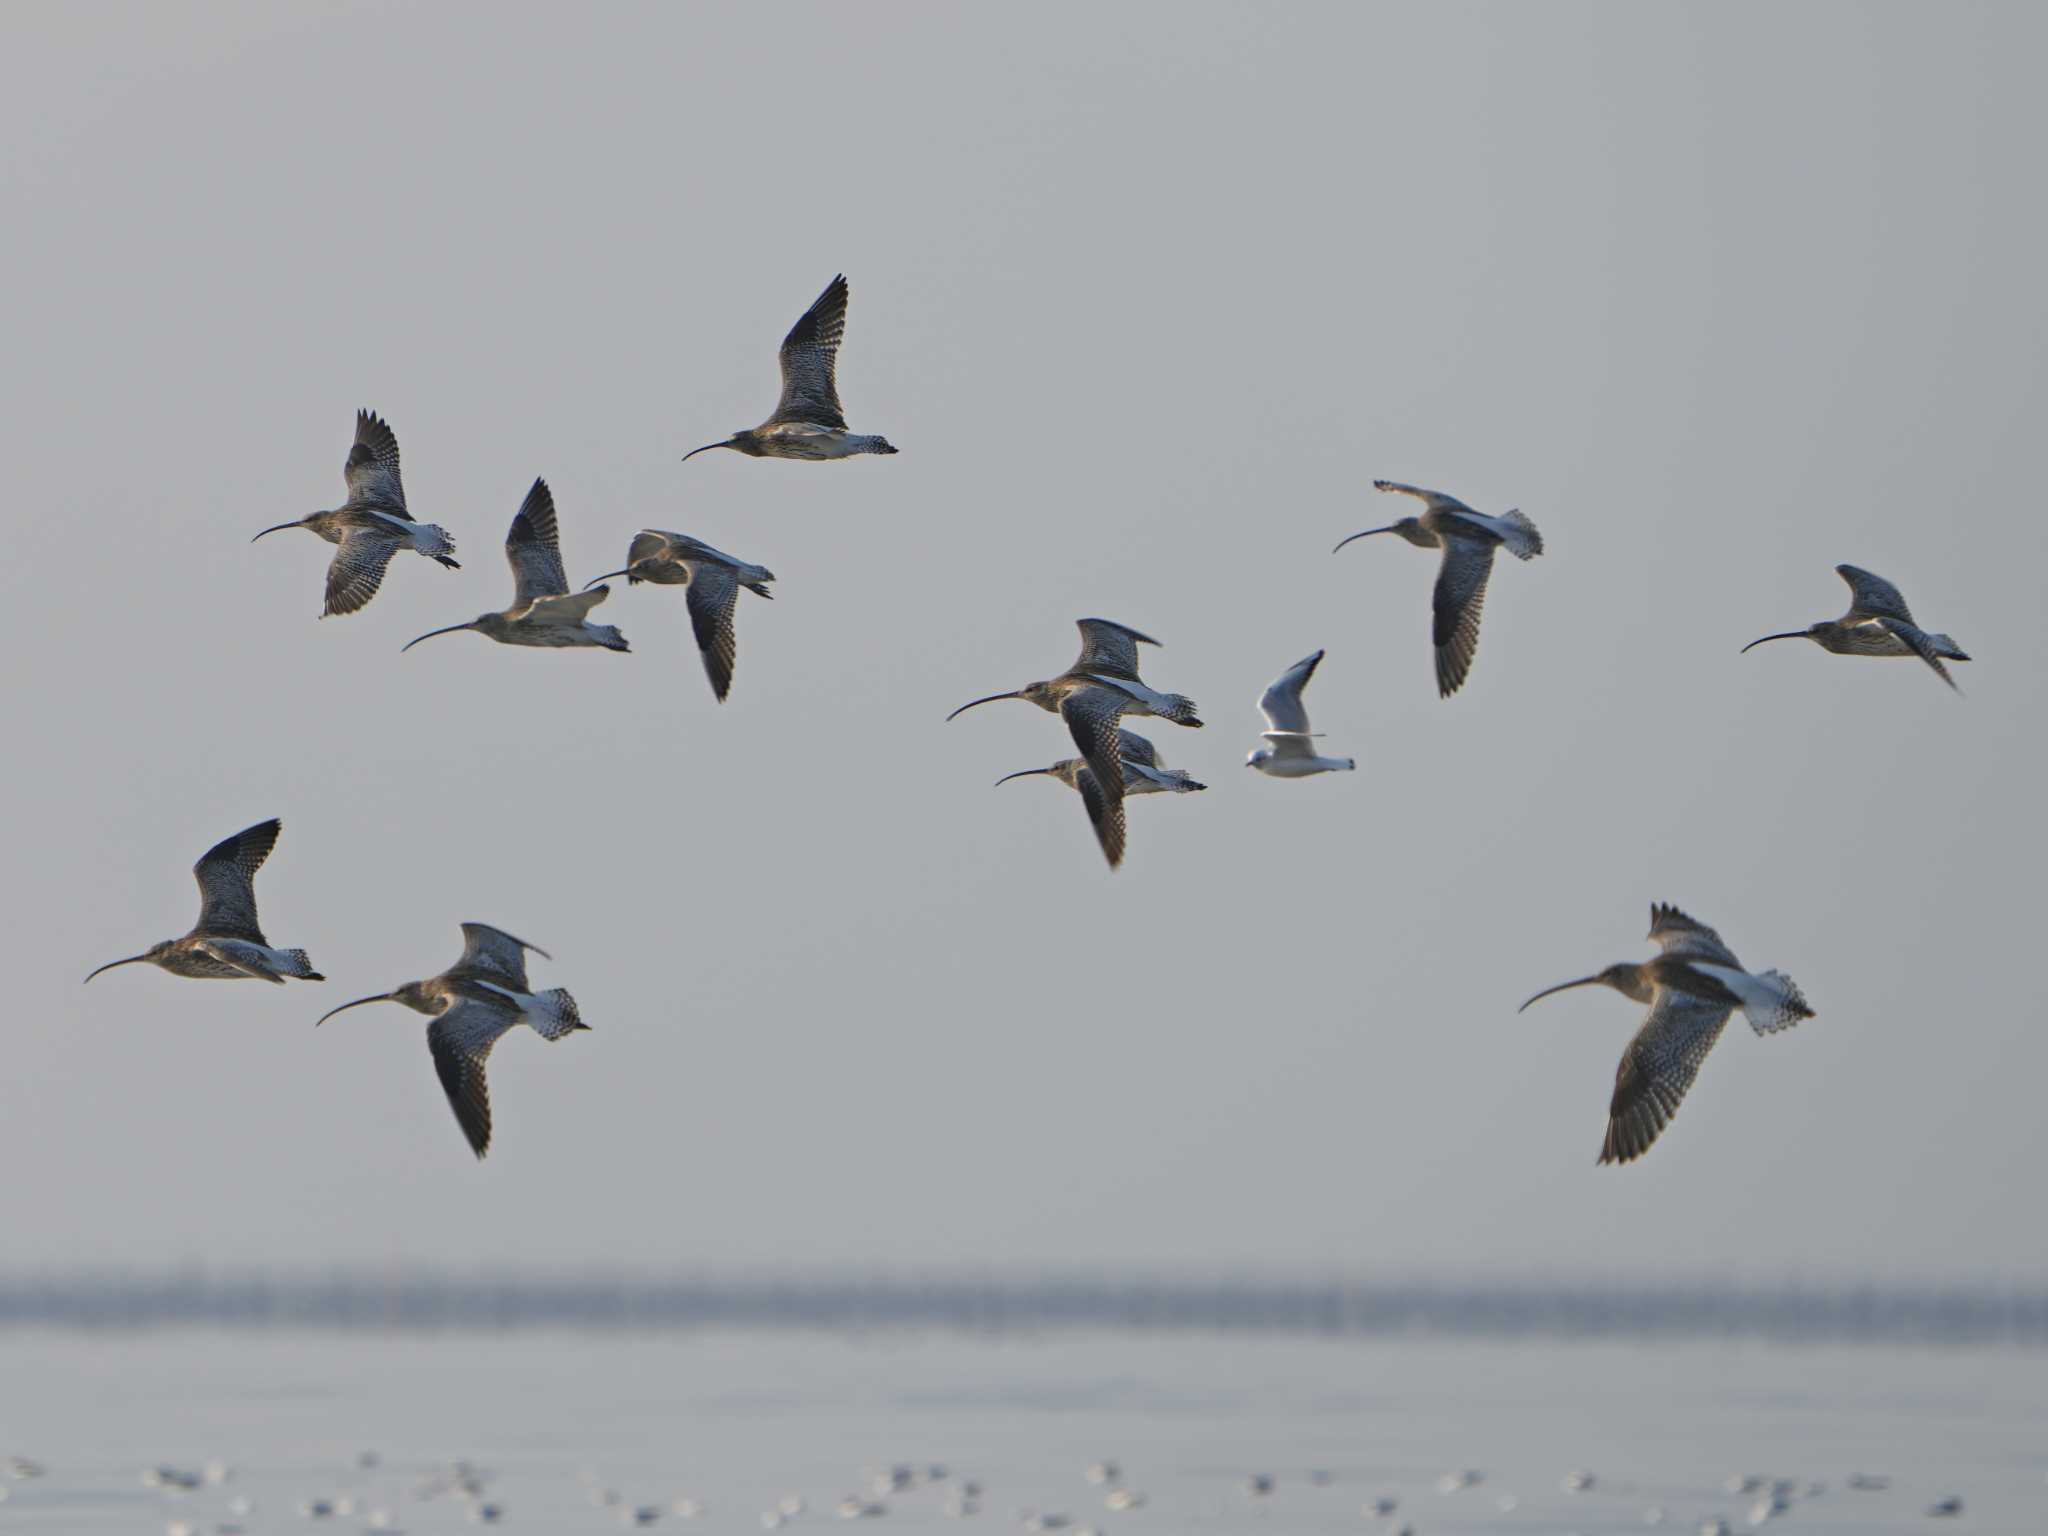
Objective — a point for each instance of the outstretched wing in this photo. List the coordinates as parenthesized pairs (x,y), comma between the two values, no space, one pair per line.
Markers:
(226,873)
(1460,594)
(1872,597)
(1657,1069)
(1091,714)
(1919,643)
(534,549)
(713,594)
(372,468)
(1281,702)
(1107,646)
(1436,501)
(495,955)
(810,354)
(1133,748)
(357,569)
(1106,816)
(1677,934)
(460,1040)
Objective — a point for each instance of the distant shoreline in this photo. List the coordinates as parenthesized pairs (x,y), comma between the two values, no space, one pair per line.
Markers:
(1804,1313)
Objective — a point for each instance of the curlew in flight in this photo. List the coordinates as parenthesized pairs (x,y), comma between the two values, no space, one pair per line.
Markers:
(807,423)
(1878,623)
(1143,774)
(1468,540)
(1691,988)
(1095,693)
(542,611)
(226,944)
(714,579)
(372,525)
(472,1003)
(1288,753)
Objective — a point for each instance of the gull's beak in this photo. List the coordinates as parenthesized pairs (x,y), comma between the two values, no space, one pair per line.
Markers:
(724,443)
(131,960)
(1014,694)
(381,997)
(451,629)
(1563,986)
(1021,773)
(280,528)
(1793,634)
(1365,535)
(607,576)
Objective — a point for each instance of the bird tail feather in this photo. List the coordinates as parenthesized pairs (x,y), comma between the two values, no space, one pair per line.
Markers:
(553,1013)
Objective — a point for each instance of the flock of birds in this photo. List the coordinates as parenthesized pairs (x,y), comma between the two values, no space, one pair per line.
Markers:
(365,1493)
(1690,989)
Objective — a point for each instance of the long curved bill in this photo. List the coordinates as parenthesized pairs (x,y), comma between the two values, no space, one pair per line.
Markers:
(451,629)
(280,528)
(722,443)
(1365,535)
(1013,694)
(131,960)
(1790,634)
(381,997)
(1563,986)
(607,576)
(1021,773)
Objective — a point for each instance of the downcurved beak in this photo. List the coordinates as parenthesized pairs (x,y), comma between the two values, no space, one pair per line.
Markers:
(381,997)
(1563,986)
(1790,634)
(724,443)
(1013,694)
(607,576)
(1365,535)
(280,528)
(451,629)
(1021,773)
(131,960)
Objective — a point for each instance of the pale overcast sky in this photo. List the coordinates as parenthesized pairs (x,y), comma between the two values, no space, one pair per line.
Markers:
(1147,296)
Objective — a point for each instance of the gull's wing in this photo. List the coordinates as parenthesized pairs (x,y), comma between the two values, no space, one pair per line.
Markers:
(1657,1069)
(1915,640)
(357,569)
(713,593)
(1436,501)
(495,955)
(1677,934)
(226,873)
(1872,597)
(534,549)
(372,468)
(1281,702)
(460,1040)
(1106,816)
(1091,714)
(1107,646)
(1460,594)
(810,353)
(1133,748)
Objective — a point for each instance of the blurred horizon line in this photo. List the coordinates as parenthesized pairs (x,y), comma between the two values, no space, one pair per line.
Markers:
(1952,1313)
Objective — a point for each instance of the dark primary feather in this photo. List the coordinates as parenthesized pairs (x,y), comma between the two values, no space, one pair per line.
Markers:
(713,594)
(1657,1069)
(1910,635)
(533,549)
(495,955)
(226,873)
(1872,597)
(1677,934)
(1092,714)
(810,351)
(1104,815)
(1107,646)
(460,1040)
(357,569)
(1459,597)
(372,468)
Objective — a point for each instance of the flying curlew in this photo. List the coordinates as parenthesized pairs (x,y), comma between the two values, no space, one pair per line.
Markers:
(372,525)
(542,611)
(1143,774)
(1287,753)
(1095,692)
(1878,623)
(713,578)
(807,423)
(1691,988)
(1468,540)
(472,1003)
(226,944)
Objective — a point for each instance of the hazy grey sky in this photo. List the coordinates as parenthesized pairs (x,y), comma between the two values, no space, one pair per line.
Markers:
(1718,295)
